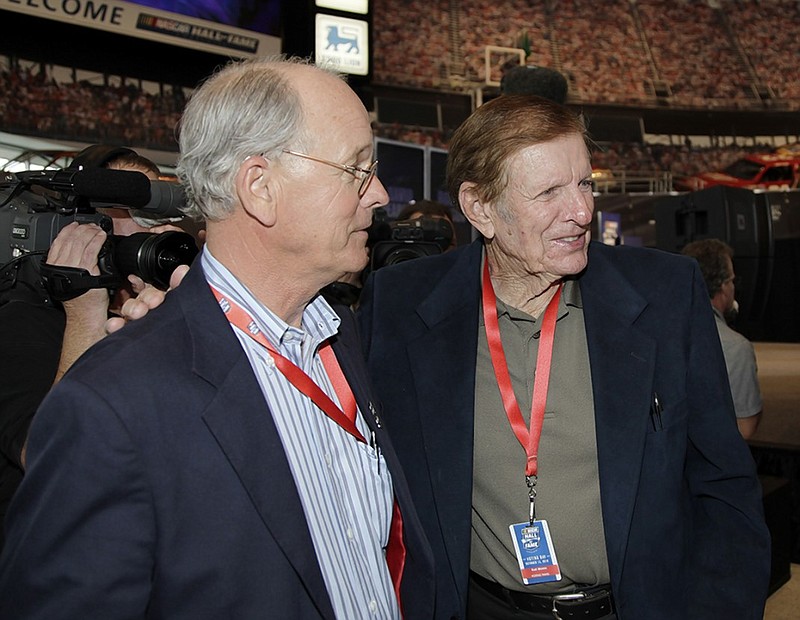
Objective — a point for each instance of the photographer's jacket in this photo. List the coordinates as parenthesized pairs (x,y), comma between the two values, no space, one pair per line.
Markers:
(31,330)
(158,486)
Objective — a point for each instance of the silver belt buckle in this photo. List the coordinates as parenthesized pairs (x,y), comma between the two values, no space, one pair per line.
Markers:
(565,597)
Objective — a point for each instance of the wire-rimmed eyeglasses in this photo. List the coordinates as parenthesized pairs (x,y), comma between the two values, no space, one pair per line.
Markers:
(365,174)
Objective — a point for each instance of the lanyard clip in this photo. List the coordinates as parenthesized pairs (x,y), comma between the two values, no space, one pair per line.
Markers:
(530,481)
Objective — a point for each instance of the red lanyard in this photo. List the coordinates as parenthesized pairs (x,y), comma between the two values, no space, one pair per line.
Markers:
(299,379)
(395,550)
(528,439)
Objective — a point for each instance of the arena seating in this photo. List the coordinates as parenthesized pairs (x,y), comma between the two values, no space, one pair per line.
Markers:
(693,53)
(703,54)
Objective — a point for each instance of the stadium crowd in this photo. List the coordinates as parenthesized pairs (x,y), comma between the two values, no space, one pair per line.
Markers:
(695,54)
(771,45)
(610,56)
(413,56)
(33,102)
(707,53)
(601,51)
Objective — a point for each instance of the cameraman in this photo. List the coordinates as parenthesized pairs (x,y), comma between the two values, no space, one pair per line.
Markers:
(78,245)
(436,228)
(42,338)
(432,210)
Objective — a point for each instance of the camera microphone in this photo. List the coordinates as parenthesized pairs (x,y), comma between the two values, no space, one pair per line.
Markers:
(101,184)
(158,199)
(125,187)
(166,199)
(106,187)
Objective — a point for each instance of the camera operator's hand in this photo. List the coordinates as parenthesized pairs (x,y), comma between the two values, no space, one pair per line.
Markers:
(148,297)
(77,245)
(87,315)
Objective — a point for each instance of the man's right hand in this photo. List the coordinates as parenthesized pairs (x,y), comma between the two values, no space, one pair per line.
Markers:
(78,245)
(148,297)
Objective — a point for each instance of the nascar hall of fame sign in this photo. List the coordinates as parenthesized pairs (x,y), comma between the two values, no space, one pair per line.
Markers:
(131,19)
(343,43)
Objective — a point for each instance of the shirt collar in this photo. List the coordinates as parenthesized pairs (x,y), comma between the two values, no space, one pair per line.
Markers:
(570,297)
(319,321)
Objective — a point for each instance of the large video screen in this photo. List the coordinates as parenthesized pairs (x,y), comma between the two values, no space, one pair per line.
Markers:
(240,28)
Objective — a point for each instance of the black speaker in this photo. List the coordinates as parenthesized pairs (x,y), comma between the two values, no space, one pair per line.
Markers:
(778,503)
(735,216)
(780,317)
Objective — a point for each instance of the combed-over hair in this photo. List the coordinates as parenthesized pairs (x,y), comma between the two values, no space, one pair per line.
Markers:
(247,108)
(484,144)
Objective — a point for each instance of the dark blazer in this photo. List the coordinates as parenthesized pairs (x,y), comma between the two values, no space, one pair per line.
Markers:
(682,511)
(158,486)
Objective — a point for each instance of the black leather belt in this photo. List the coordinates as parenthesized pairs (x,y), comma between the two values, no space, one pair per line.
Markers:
(585,603)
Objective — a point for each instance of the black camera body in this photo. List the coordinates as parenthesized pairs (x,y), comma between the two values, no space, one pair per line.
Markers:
(29,225)
(404,240)
(34,208)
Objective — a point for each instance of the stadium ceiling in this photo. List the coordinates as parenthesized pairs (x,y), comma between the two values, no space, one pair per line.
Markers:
(26,152)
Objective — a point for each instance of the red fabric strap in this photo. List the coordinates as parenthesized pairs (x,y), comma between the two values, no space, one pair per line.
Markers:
(344,416)
(396,552)
(528,439)
(339,381)
(299,379)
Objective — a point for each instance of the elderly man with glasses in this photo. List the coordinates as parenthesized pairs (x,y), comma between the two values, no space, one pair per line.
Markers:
(224,456)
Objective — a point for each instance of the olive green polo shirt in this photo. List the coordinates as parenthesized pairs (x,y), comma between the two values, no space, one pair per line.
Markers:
(568,488)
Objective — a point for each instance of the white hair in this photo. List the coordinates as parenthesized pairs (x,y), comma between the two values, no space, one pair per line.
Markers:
(247,108)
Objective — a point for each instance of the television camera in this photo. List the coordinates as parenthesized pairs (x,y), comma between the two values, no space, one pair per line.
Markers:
(398,241)
(36,205)
(391,242)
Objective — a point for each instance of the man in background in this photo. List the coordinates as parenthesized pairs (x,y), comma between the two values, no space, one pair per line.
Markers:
(716,264)
(431,210)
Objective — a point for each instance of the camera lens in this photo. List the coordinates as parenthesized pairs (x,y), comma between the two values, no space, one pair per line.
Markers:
(393,252)
(154,257)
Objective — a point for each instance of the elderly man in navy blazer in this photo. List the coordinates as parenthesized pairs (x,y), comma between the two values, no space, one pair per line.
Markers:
(224,458)
(562,407)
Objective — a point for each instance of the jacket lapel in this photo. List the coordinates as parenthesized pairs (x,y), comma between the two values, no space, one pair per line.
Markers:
(445,355)
(351,361)
(244,429)
(617,352)
(417,593)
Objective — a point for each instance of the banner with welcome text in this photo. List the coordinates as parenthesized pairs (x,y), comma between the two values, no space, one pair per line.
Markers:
(130,19)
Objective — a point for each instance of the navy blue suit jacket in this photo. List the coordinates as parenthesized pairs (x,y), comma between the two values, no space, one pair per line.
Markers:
(158,487)
(682,510)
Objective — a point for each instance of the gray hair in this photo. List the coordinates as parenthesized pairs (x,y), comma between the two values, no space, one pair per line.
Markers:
(247,108)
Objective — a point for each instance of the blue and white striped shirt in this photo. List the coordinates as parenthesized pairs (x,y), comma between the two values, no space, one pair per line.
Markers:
(346,493)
